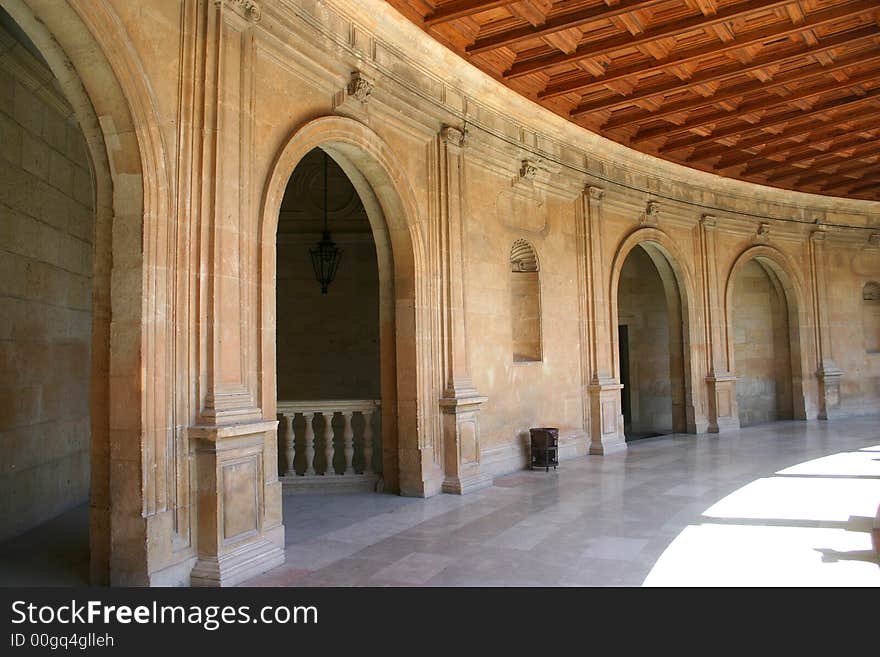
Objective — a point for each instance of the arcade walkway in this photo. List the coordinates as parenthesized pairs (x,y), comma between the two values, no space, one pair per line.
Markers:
(790,503)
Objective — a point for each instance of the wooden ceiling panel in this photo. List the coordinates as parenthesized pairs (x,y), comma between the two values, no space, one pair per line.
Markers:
(781,92)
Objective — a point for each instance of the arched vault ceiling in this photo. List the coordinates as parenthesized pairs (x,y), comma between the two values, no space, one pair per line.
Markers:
(778,92)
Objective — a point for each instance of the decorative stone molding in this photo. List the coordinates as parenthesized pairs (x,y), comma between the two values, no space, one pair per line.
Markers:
(359,87)
(247,9)
(652,214)
(528,170)
(523,257)
(762,235)
(453,136)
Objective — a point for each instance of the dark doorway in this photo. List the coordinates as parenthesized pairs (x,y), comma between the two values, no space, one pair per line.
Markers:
(625,401)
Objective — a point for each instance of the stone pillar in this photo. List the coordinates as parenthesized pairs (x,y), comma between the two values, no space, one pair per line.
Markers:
(239,496)
(460,403)
(827,372)
(606,416)
(720,383)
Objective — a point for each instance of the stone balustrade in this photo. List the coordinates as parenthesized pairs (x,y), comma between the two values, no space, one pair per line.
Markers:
(329,444)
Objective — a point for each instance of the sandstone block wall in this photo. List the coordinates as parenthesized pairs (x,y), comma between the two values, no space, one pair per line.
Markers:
(45,297)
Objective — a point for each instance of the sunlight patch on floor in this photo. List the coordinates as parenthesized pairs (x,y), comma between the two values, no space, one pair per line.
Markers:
(860,464)
(796,498)
(742,555)
(750,542)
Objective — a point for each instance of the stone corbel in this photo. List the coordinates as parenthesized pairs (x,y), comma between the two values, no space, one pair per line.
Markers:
(453,136)
(359,87)
(247,9)
(356,94)
(652,214)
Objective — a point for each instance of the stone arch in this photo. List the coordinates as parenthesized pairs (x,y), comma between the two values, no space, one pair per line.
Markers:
(407,384)
(678,284)
(783,274)
(128,167)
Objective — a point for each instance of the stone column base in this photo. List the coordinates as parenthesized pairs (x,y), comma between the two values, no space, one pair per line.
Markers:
(461,440)
(239,513)
(606,418)
(723,409)
(239,565)
(829,391)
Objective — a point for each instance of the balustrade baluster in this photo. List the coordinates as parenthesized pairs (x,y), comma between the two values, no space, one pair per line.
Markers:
(328,442)
(309,444)
(348,444)
(289,447)
(368,441)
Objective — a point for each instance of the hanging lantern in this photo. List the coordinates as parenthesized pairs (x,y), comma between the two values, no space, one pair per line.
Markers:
(325,254)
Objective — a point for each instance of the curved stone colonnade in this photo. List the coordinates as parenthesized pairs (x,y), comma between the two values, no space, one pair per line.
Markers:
(191,151)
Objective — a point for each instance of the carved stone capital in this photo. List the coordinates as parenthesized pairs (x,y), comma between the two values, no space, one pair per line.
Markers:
(247,9)
(818,235)
(528,170)
(709,221)
(596,193)
(359,87)
(763,232)
(453,136)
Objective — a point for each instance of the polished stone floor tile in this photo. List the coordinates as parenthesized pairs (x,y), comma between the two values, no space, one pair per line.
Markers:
(788,503)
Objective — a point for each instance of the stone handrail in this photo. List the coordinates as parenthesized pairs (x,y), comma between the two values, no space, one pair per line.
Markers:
(318,449)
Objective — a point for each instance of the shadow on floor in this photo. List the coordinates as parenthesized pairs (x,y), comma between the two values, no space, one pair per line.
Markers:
(54,554)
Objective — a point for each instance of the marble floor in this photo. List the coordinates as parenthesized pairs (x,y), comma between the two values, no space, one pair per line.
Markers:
(788,503)
(782,504)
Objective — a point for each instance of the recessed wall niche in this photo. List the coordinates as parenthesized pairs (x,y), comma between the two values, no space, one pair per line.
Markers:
(871,316)
(525,302)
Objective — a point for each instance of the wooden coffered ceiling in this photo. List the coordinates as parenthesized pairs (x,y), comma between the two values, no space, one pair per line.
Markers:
(783,93)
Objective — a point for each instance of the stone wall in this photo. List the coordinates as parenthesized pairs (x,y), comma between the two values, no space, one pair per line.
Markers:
(328,345)
(762,350)
(46,224)
(642,308)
